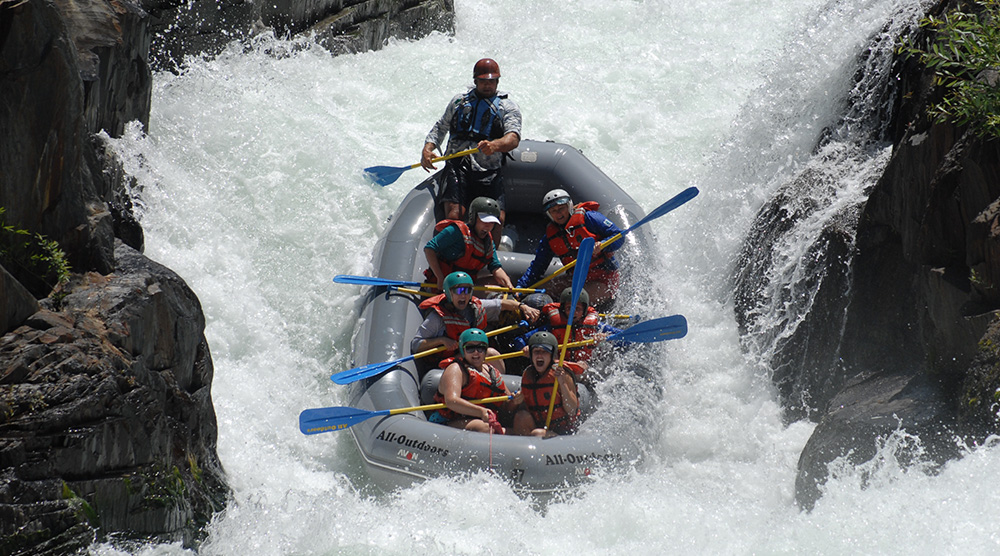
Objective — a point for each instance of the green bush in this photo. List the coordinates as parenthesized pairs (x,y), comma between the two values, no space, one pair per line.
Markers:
(965,56)
(37,262)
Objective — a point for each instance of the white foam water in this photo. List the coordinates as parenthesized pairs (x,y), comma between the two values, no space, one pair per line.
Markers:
(250,188)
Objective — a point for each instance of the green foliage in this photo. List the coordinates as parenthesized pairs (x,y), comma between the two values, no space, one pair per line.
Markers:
(39,263)
(965,57)
(82,507)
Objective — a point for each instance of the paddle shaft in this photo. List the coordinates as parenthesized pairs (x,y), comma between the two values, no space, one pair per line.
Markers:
(480,288)
(579,278)
(446,157)
(327,419)
(372,369)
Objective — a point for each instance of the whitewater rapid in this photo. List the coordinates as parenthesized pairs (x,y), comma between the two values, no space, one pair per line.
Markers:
(249,187)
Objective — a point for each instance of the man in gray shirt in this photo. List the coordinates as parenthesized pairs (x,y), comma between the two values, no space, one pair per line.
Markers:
(480,118)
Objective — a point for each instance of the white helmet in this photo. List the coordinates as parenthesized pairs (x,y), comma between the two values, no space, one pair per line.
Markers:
(555,197)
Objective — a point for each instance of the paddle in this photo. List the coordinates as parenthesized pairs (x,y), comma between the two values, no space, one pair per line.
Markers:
(676,201)
(367,281)
(326,419)
(656,330)
(384,175)
(579,279)
(375,369)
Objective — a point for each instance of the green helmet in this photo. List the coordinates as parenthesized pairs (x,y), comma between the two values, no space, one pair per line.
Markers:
(484,208)
(545,339)
(567,296)
(471,335)
(457,278)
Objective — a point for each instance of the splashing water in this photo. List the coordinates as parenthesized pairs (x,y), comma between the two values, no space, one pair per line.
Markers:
(250,187)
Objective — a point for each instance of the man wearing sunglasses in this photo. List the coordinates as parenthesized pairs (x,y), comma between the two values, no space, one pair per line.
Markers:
(456,310)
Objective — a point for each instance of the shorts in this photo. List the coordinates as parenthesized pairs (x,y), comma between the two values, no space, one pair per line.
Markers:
(462,185)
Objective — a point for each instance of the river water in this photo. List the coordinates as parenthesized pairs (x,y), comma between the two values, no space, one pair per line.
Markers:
(250,188)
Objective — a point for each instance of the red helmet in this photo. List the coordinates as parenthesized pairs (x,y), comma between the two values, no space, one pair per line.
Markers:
(487,68)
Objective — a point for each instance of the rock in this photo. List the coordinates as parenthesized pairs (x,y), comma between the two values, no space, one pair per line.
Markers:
(18,302)
(864,414)
(49,185)
(107,405)
(369,24)
(914,354)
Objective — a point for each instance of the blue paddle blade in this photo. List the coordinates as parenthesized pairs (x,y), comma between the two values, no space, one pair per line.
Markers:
(656,330)
(671,204)
(369,281)
(366,371)
(584,253)
(384,175)
(328,419)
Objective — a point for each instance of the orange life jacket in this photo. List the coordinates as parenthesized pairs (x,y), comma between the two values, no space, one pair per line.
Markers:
(478,385)
(565,241)
(583,331)
(478,253)
(455,323)
(537,394)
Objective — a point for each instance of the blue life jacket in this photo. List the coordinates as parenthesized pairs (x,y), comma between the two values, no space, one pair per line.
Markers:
(477,118)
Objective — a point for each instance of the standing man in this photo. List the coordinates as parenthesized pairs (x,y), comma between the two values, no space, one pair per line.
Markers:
(480,118)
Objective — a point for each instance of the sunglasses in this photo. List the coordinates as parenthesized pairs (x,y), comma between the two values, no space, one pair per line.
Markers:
(475,348)
(462,290)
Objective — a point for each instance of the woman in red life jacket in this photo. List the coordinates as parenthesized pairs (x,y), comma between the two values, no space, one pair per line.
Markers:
(568,226)
(536,390)
(466,246)
(470,378)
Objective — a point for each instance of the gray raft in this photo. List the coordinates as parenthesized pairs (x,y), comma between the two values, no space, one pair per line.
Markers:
(402,448)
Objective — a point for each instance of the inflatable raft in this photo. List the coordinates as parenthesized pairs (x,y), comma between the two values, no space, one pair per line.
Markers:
(402,448)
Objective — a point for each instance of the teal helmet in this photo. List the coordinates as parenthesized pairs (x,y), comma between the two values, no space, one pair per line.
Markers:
(472,335)
(545,339)
(458,278)
(567,296)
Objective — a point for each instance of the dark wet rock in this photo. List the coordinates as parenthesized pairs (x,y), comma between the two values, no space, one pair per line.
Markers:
(107,417)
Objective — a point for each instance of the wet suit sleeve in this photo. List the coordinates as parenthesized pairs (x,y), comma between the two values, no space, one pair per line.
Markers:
(432,327)
(600,226)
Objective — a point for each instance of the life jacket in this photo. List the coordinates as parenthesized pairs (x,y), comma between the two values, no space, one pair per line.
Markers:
(477,385)
(536,400)
(565,241)
(478,253)
(455,323)
(583,331)
(477,118)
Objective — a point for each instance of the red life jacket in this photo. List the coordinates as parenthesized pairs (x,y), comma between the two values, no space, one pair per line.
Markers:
(478,253)
(477,385)
(583,331)
(537,393)
(565,241)
(455,323)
